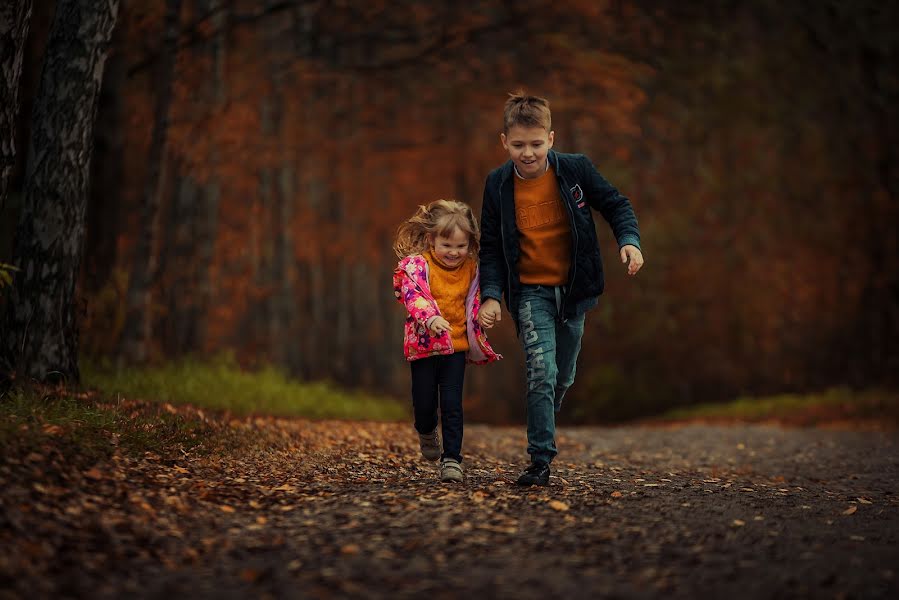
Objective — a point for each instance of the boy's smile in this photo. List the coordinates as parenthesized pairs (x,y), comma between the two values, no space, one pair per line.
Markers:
(528,147)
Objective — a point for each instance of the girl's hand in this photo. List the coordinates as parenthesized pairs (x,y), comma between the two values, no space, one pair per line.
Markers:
(490,313)
(438,325)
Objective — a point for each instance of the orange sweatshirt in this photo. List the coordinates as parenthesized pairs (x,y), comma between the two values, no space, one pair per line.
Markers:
(545,232)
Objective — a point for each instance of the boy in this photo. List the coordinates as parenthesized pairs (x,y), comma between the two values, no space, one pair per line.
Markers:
(539,250)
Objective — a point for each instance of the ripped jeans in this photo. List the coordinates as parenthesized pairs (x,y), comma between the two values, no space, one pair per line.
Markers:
(551,348)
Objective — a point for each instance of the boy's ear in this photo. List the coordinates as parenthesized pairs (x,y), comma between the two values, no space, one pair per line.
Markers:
(502,138)
(552,136)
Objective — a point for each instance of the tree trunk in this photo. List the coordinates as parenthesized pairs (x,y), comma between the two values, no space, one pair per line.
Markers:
(104,212)
(211,196)
(42,337)
(178,326)
(14,20)
(139,318)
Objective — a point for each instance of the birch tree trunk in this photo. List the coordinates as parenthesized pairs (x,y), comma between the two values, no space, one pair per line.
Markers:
(14,20)
(40,337)
(139,319)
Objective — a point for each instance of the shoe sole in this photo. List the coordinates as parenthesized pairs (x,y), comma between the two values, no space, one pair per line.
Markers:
(532,483)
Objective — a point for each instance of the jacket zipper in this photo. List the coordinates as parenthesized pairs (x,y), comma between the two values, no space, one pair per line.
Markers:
(574,238)
(431,298)
(502,237)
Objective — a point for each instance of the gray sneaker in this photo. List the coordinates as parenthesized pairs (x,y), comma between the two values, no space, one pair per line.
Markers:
(430,445)
(450,470)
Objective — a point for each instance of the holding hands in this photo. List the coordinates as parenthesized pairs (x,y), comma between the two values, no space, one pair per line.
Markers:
(490,314)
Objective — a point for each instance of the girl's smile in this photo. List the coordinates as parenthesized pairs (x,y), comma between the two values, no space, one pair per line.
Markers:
(451,250)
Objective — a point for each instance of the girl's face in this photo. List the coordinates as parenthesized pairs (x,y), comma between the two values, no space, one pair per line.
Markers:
(452,250)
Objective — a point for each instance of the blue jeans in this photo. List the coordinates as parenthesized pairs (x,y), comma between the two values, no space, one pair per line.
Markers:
(437,384)
(551,347)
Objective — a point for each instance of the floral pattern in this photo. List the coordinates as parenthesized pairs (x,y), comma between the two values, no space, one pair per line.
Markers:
(411,288)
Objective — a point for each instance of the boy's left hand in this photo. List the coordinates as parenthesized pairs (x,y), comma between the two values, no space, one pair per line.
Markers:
(633,257)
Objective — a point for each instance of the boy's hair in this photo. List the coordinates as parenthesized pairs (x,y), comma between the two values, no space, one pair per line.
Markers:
(440,217)
(527,111)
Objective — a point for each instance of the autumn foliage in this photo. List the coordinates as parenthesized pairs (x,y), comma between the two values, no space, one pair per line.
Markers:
(754,143)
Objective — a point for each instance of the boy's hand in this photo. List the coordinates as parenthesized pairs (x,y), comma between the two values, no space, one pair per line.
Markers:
(490,313)
(633,257)
(438,325)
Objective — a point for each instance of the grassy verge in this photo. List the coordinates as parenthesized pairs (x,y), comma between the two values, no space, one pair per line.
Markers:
(221,385)
(838,404)
(189,407)
(86,428)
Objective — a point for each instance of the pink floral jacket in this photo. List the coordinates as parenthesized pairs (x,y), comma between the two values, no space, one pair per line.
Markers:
(411,287)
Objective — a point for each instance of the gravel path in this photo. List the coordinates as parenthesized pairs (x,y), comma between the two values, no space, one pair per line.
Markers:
(347,510)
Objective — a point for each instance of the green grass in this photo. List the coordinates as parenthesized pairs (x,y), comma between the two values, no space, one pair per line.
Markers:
(221,384)
(844,402)
(92,429)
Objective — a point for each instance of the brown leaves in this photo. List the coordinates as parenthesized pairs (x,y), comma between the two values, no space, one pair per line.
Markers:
(558,505)
(322,512)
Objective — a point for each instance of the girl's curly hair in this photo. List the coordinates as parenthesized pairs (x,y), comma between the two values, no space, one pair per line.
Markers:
(439,218)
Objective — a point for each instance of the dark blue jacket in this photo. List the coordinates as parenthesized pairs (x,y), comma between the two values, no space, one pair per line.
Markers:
(582,188)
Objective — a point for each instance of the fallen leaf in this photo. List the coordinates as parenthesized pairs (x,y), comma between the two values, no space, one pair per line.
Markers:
(617,494)
(226,508)
(851,510)
(350,549)
(738,523)
(558,505)
(864,501)
(93,473)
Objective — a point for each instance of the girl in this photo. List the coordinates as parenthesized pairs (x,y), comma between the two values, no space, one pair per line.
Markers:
(437,280)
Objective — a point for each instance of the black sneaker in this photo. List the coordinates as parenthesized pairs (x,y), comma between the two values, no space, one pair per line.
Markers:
(536,474)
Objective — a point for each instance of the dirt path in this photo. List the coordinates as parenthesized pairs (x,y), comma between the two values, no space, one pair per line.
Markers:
(347,510)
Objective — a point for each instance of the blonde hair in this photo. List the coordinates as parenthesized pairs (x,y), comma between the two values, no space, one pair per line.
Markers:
(527,111)
(439,218)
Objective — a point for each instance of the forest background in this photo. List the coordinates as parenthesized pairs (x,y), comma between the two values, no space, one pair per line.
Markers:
(251,161)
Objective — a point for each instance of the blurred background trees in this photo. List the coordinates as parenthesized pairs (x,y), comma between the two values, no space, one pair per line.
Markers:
(253,159)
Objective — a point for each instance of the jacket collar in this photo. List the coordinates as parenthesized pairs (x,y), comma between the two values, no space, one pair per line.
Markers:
(508,170)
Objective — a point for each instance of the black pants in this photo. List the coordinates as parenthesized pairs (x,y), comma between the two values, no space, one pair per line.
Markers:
(437,381)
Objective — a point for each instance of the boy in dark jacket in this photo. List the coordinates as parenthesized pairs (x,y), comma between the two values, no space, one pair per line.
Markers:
(539,250)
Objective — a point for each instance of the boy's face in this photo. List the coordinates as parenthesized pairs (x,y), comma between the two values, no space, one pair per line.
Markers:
(527,148)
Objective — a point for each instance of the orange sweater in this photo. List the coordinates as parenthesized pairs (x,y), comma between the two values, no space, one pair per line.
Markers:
(545,232)
(450,289)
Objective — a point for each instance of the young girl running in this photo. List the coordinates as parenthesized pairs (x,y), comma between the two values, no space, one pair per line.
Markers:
(437,280)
